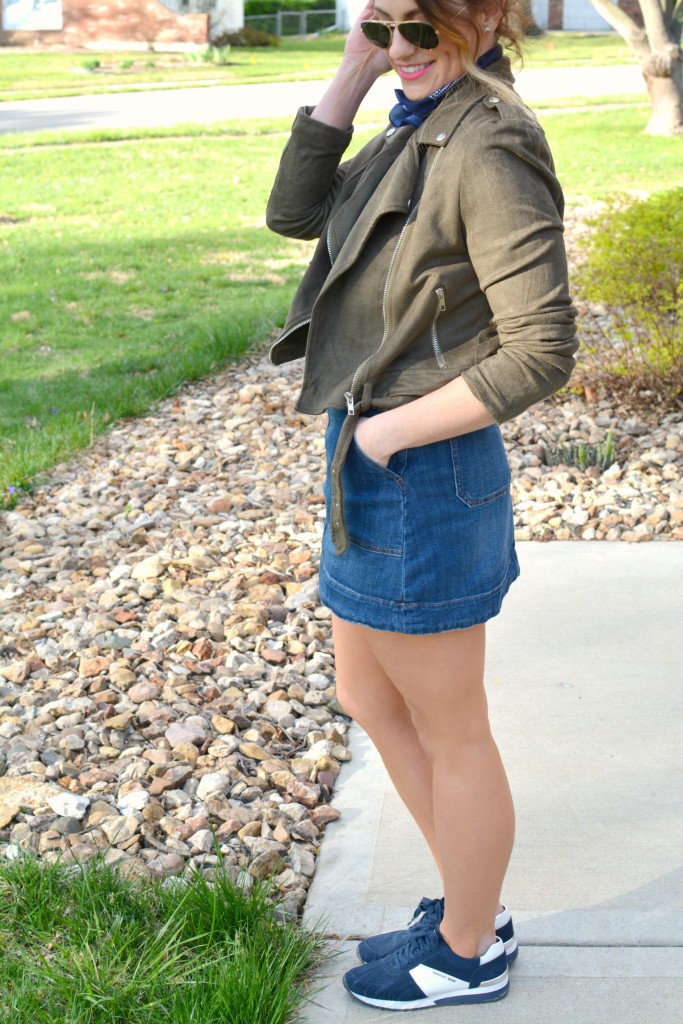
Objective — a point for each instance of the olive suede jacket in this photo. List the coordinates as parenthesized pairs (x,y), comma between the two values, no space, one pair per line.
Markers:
(441,254)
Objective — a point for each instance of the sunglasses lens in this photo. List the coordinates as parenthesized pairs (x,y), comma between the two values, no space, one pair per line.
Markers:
(420,34)
(377,33)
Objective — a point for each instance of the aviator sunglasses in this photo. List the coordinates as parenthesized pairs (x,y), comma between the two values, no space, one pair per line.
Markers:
(419,33)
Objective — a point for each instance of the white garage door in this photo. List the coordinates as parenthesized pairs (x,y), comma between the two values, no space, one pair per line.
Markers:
(539,9)
(581,16)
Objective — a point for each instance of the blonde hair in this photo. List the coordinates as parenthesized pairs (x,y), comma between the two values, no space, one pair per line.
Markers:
(448,15)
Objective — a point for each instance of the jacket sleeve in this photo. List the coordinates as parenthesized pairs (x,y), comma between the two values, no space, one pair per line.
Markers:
(309,178)
(511,205)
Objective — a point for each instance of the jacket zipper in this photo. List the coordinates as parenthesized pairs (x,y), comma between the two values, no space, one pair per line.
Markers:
(440,308)
(290,330)
(349,395)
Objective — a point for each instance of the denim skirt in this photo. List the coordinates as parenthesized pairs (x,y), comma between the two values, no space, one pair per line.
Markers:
(431,535)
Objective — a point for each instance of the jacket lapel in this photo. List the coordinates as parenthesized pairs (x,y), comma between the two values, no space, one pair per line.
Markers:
(387,184)
(350,229)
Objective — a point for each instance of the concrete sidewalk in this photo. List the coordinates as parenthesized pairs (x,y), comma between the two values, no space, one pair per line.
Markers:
(584,675)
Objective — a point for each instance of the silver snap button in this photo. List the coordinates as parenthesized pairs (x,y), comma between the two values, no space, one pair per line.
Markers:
(441,136)
(390,131)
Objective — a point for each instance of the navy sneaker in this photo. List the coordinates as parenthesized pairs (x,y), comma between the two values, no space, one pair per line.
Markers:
(426,972)
(430,914)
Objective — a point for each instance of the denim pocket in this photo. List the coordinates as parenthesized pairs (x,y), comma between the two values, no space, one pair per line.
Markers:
(395,468)
(480,466)
(373,501)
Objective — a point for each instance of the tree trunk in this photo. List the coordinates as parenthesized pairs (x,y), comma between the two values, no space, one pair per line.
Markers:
(659,53)
(666,101)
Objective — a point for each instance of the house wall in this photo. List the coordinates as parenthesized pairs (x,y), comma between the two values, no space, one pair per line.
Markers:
(578,15)
(90,21)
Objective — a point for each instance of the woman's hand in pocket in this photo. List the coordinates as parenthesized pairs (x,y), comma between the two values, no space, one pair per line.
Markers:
(371,438)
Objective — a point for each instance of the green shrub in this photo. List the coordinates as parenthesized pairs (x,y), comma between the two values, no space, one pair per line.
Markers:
(633,268)
(91,64)
(246,36)
(265,12)
(253,8)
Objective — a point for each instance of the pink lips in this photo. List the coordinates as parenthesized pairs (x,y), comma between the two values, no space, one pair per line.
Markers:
(411,76)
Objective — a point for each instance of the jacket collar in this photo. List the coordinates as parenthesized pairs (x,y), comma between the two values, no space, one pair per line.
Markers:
(440,126)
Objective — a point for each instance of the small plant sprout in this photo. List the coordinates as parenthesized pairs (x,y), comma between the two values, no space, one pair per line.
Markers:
(584,454)
(14,492)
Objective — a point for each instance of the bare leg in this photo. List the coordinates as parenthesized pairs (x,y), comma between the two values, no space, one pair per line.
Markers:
(440,679)
(370,697)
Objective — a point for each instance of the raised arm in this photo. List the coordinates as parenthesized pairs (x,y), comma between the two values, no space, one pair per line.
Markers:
(310,175)
(361,66)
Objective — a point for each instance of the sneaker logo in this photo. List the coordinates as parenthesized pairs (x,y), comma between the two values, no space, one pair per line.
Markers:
(448,977)
(435,984)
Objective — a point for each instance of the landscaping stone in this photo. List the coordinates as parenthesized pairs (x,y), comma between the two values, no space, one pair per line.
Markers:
(69,805)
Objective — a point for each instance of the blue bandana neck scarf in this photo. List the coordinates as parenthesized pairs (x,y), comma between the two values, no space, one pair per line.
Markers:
(416,111)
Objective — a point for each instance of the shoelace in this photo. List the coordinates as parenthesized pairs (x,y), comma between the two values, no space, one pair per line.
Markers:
(426,940)
(432,911)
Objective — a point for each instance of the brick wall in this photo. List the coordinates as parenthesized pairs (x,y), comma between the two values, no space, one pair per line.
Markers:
(89,21)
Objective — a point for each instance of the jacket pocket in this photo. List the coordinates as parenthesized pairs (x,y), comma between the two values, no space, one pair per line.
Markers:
(440,308)
(480,466)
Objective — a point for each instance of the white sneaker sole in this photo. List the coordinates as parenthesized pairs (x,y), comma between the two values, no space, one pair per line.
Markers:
(497,988)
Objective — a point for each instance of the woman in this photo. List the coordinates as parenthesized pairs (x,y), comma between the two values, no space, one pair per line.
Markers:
(434,308)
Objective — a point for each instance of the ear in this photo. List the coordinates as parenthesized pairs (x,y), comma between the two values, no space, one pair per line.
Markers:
(489,16)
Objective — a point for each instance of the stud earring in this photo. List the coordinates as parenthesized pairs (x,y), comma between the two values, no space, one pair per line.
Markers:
(487,28)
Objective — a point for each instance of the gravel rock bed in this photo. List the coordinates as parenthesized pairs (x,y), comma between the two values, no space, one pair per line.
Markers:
(166,668)
(638,498)
(165,665)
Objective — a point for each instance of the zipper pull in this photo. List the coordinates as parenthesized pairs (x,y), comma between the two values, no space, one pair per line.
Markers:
(441,296)
(350,405)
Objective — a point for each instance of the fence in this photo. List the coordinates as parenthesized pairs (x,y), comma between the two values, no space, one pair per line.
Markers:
(293,23)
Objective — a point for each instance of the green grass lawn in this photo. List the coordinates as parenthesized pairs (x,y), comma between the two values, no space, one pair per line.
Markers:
(600,152)
(577,49)
(33,75)
(127,269)
(91,946)
(130,267)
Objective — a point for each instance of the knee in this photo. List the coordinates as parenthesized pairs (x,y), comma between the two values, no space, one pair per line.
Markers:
(355,702)
(369,707)
(457,737)
(346,698)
